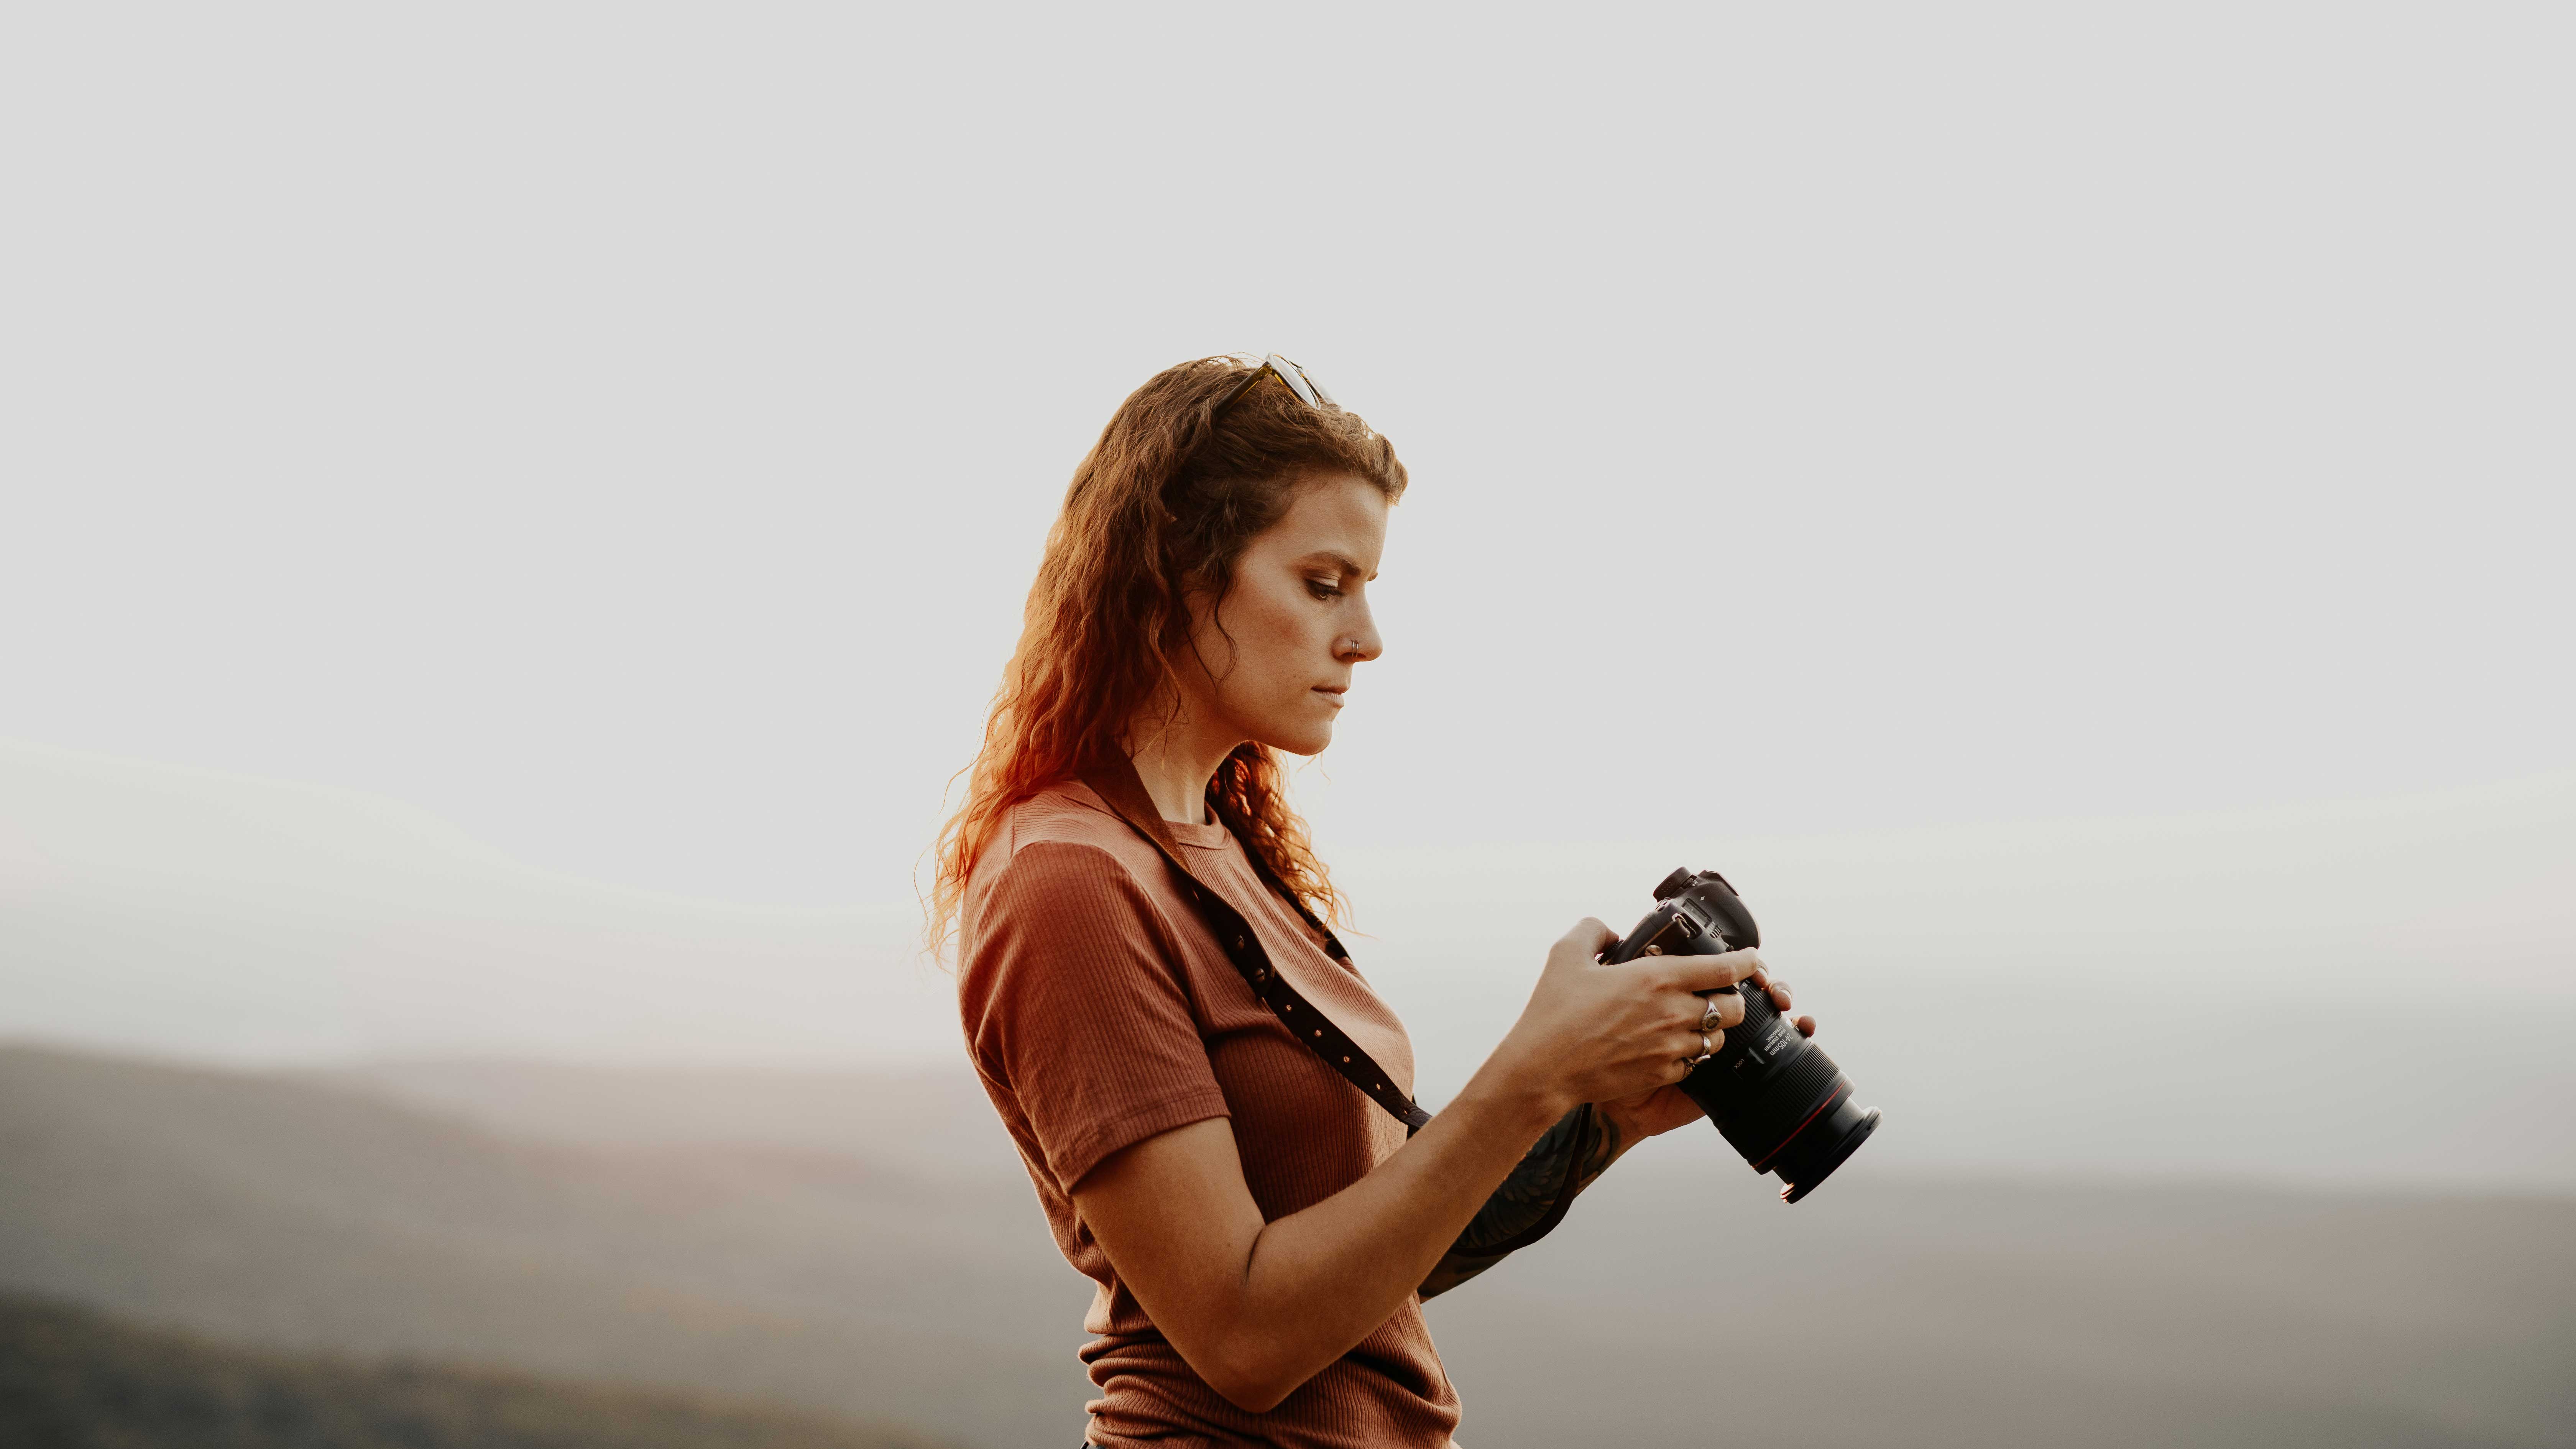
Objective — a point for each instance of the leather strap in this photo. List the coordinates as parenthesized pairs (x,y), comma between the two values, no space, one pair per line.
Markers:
(1120,789)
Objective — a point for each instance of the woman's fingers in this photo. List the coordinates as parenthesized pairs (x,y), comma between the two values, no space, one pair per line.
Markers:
(1779,989)
(1591,936)
(1708,973)
(1606,1024)
(1688,1045)
(1581,946)
(1730,1010)
(1780,998)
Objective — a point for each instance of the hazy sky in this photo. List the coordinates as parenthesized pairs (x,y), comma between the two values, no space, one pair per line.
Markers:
(627,431)
(2376,991)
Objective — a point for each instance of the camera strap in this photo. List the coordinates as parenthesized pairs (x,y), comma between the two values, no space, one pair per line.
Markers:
(1120,789)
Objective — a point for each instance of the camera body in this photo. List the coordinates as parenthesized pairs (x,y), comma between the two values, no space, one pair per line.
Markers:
(1777,1098)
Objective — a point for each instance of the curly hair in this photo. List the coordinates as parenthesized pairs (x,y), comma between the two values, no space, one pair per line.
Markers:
(1159,510)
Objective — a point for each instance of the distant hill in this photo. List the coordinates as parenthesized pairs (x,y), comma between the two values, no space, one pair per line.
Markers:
(865,1247)
(72,1379)
(1967,1313)
(305,1218)
(926,1121)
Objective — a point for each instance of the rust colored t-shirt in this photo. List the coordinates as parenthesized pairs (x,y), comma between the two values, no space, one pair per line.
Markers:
(1100,1012)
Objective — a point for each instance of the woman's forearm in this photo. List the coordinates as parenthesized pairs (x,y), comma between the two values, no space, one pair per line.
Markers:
(1567,1158)
(1317,1282)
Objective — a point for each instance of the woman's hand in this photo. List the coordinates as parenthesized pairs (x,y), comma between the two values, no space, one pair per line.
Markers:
(1597,1032)
(1660,1110)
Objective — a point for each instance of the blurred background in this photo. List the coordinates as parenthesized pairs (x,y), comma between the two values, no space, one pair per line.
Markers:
(513,514)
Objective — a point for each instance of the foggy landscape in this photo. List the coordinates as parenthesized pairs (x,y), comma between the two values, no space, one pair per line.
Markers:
(493,1116)
(513,517)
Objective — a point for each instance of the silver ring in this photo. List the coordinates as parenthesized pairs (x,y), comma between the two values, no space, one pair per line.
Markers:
(1708,1019)
(1705,1050)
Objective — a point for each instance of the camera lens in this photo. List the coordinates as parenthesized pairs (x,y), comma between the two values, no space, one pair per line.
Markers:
(1775,1096)
(1779,1100)
(1820,1147)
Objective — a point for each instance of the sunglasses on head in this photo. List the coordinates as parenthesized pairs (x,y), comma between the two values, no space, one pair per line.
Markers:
(1309,391)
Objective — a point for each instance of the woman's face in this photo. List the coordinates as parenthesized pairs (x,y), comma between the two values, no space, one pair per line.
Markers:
(1276,654)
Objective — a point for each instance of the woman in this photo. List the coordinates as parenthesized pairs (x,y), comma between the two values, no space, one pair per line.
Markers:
(1213,1105)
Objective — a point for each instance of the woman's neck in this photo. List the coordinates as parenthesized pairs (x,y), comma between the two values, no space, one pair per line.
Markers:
(1175,762)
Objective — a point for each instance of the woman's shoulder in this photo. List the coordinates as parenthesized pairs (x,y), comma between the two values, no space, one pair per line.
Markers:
(1063,872)
(1065,813)
(1061,839)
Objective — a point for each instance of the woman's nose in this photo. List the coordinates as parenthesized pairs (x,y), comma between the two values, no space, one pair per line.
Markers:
(1361,644)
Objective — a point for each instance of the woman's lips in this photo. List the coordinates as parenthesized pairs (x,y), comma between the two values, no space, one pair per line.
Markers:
(1333,695)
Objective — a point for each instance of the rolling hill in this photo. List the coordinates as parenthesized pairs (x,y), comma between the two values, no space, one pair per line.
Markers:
(302,1218)
(73,1379)
(864,1245)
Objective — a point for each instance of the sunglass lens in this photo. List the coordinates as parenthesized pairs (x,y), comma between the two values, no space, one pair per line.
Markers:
(1298,383)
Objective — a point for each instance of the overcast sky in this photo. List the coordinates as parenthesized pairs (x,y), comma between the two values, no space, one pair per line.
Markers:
(627,432)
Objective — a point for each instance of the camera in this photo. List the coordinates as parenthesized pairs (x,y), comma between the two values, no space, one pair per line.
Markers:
(1775,1095)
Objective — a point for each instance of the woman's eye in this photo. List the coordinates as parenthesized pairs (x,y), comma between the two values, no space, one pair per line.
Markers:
(1323,588)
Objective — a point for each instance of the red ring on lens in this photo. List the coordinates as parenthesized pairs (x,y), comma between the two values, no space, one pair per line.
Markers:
(1831,1098)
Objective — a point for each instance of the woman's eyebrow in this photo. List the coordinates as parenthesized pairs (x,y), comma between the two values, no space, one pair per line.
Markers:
(1338,559)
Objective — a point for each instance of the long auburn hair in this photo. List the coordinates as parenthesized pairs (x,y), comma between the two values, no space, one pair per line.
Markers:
(1158,511)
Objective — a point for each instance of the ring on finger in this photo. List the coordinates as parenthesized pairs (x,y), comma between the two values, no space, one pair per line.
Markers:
(1706,1049)
(1708,1021)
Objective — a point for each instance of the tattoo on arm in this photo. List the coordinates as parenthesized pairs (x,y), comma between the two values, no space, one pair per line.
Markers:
(1564,1161)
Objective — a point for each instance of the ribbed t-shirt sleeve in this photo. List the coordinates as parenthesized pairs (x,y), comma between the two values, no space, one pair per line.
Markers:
(1073,1002)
